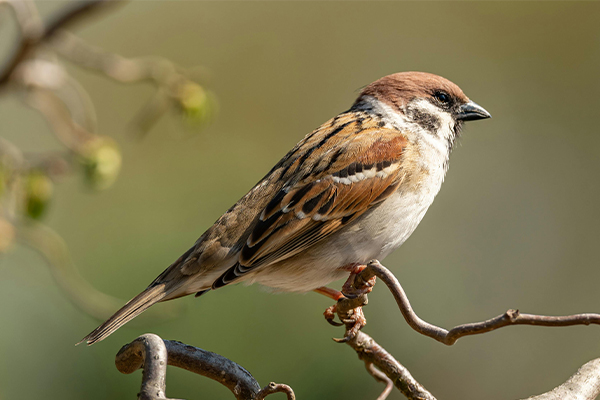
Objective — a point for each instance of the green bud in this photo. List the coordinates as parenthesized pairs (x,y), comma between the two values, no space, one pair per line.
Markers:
(197,103)
(38,192)
(101,160)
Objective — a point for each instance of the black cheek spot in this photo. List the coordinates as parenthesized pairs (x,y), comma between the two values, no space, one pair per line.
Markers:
(429,122)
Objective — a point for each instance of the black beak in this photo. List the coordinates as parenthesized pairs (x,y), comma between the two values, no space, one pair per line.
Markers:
(472,112)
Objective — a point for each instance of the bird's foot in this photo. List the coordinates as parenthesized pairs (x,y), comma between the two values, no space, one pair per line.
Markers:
(354,323)
(329,315)
(355,285)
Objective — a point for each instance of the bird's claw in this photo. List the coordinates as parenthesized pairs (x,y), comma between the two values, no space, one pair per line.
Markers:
(329,315)
(349,296)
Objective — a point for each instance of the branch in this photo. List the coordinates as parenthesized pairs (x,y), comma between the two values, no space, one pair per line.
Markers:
(510,317)
(153,354)
(370,352)
(349,311)
(31,38)
(173,83)
(583,385)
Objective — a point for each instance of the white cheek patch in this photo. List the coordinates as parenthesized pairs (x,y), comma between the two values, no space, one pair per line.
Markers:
(445,118)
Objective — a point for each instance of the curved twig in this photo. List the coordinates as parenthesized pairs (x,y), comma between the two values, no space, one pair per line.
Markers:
(380,377)
(276,388)
(161,352)
(584,385)
(349,311)
(449,337)
(32,37)
(370,352)
(150,352)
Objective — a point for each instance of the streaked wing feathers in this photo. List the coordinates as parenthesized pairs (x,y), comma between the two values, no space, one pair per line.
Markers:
(325,190)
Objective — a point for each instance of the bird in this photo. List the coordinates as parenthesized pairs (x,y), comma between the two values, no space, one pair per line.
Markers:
(351,191)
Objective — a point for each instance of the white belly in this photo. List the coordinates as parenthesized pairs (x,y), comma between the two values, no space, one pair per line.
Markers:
(372,236)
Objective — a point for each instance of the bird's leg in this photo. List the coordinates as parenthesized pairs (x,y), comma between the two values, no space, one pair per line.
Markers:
(329,292)
(352,289)
(349,308)
(349,301)
(333,294)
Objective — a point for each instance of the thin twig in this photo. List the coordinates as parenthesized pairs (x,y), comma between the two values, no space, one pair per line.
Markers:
(276,388)
(214,366)
(31,38)
(242,384)
(449,337)
(147,351)
(349,311)
(584,385)
(114,66)
(380,377)
(370,352)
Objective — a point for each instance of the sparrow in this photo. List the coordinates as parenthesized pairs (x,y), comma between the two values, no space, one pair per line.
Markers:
(351,191)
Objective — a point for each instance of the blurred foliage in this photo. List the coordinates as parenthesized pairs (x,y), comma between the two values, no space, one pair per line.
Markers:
(40,74)
(38,193)
(515,225)
(101,161)
(197,103)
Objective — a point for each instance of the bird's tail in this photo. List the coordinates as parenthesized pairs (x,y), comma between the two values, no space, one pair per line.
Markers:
(134,307)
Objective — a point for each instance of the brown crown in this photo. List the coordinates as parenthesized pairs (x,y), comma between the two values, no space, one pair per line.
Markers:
(398,89)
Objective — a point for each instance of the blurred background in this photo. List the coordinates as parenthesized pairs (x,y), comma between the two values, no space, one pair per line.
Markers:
(514,226)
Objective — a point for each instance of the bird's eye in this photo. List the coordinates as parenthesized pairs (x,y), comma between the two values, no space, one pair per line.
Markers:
(442,97)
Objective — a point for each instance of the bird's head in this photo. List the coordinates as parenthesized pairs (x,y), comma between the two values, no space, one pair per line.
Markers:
(434,103)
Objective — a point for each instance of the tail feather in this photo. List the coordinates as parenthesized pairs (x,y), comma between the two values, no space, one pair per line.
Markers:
(132,309)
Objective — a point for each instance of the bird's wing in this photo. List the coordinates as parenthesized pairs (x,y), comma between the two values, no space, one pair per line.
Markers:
(328,185)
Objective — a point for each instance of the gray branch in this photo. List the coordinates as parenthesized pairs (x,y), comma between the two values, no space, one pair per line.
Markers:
(584,385)
(153,354)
